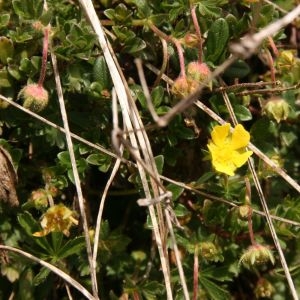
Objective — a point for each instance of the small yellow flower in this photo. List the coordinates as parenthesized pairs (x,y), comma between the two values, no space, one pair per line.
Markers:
(228,150)
(57,218)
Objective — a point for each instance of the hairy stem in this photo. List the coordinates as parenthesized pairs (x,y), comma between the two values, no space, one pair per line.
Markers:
(175,42)
(44,57)
(198,32)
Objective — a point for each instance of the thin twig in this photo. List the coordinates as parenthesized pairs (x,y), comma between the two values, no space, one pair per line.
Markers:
(249,44)
(273,231)
(54,269)
(131,119)
(177,257)
(276,6)
(132,164)
(75,174)
(61,129)
(269,91)
(196,273)
(222,200)
(104,195)
(198,32)
(139,66)
(44,56)
(265,208)
(260,154)
(68,291)
(164,62)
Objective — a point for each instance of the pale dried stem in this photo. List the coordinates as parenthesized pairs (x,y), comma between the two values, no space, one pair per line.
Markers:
(168,219)
(130,163)
(54,269)
(139,66)
(75,174)
(260,154)
(164,62)
(177,256)
(276,6)
(265,208)
(106,189)
(219,199)
(242,49)
(196,273)
(138,139)
(101,208)
(68,291)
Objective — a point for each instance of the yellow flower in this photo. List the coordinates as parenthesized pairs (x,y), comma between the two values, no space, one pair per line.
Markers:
(228,150)
(57,218)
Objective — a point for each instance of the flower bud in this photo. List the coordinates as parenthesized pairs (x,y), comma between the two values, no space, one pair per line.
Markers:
(39,198)
(3,104)
(277,108)
(191,40)
(286,60)
(35,97)
(263,289)
(180,88)
(198,72)
(256,255)
(244,211)
(38,26)
(209,251)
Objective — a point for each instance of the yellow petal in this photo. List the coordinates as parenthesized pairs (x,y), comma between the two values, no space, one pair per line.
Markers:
(220,133)
(240,158)
(40,233)
(240,137)
(227,168)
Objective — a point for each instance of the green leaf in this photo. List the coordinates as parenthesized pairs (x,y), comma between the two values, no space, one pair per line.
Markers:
(101,73)
(73,246)
(175,190)
(232,23)
(288,137)
(143,8)
(159,161)
(41,276)
(121,14)
(123,33)
(134,45)
(26,289)
(215,291)
(242,113)
(29,224)
(99,159)
(208,8)
(152,289)
(10,272)
(64,158)
(217,38)
(157,95)
(4,79)
(4,20)
(57,238)
(239,69)
(28,9)
(181,210)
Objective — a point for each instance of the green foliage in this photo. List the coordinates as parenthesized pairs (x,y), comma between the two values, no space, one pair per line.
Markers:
(206,207)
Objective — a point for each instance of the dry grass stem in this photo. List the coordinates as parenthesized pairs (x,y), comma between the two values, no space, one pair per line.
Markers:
(75,174)
(54,269)
(265,207)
